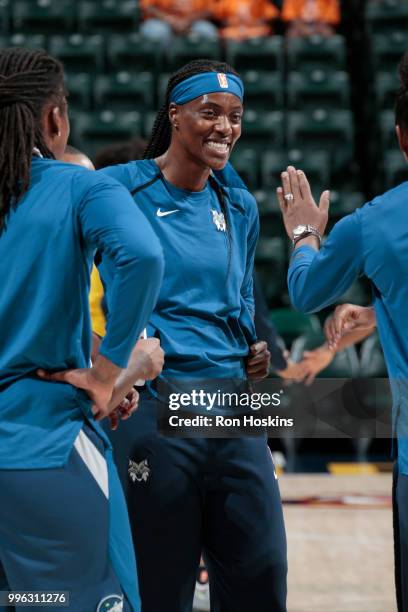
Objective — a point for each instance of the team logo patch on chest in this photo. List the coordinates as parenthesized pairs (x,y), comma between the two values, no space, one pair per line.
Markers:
(138,472)
(111,603)
(219,220)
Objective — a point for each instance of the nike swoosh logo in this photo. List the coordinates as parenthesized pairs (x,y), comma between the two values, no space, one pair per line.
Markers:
(164,213)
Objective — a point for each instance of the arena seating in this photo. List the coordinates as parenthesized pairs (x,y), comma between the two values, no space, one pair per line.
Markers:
(245,55)
(92,131)
(79,52)
(108,16)
(121,91)
(133,52)
(302,101)
(291,324)
(42,16)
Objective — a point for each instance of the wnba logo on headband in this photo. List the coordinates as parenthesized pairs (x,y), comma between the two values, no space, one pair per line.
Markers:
(222,79)
(206,83)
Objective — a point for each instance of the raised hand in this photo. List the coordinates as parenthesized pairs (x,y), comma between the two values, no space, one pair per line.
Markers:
(297,204)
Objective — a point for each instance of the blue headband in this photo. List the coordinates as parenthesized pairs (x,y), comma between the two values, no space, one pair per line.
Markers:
(205,83)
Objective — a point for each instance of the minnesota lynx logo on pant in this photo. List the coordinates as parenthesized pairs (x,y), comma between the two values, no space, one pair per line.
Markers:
(139,472)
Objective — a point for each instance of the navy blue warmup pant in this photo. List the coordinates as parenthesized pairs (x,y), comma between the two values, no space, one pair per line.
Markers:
(56,530)
(400,503)
(219,496)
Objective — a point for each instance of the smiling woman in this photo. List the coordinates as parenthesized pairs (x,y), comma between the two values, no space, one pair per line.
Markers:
(218,496)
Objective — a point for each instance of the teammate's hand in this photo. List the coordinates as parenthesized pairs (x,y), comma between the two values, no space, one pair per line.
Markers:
(150,357)
(100,392)
(347,318)
(301,209)
(315,361)
(98,382)
(258,360)
(294,371)
(125,409)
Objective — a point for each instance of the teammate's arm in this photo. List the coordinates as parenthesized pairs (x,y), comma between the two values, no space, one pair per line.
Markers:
(349,324)
(113,225)
(109,221)
(316,278)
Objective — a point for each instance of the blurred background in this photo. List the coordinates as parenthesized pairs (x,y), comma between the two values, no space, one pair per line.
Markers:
(320,79)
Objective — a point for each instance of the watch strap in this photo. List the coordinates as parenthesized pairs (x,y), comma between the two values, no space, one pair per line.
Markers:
(309,231)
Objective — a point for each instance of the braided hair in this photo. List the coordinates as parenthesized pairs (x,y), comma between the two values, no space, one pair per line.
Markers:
(28,80)
(160,137)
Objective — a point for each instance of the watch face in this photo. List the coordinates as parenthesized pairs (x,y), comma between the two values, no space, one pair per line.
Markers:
(299,230)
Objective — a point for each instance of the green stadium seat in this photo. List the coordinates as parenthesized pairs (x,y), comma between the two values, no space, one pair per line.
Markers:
(267,202)
(4,16)
(79,53)
(187,48)
(95,130)
(43,16)
(316,53)
(387,130)
(291,324)
(263,131)
(395,168)
(148,121)
(271,264)
(269,213)
(330,131)
(271,250)
(245,162)
(318,89)
(345,202)
(387,16)
(386,86)
(260,53)
(79,88)
(124,91)
(263,90)
(162,86)
(108,16)
(316,167)
(356,294)
(387,50)
(133,52)
(31,41)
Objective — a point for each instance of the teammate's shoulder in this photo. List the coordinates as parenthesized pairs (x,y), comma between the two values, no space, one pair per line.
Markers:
(393,194)
(56,171)
(134,174)
(392,197)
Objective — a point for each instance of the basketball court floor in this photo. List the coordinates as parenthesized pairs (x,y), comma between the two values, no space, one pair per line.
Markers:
(340,542)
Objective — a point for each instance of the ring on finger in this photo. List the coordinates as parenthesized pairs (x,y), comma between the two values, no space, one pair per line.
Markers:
(289,196)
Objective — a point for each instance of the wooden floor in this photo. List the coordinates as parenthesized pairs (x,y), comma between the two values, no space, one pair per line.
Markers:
(340,558)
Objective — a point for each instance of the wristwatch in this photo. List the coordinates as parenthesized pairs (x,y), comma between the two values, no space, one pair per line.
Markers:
(302,231)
